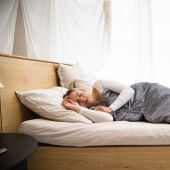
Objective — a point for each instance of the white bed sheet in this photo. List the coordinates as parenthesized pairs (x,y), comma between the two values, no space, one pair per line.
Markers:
(97,134)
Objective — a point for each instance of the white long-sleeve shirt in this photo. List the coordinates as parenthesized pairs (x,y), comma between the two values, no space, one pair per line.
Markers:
(125,94)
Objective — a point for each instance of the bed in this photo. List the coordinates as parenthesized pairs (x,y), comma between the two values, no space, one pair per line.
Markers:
(18,73)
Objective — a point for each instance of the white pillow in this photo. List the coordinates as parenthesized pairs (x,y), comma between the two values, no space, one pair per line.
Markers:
(67,74)
(85,82)
(47,103)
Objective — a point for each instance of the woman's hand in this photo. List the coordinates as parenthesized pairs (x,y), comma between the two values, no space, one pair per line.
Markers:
(104,109)
(71,105)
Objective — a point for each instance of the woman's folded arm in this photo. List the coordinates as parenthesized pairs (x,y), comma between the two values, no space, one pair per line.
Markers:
(96,116)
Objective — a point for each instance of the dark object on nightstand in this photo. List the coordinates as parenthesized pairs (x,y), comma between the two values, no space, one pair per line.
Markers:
(3,150)
(19,148)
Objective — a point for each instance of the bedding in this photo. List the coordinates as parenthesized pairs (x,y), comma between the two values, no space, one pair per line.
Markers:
(47,103)
(75,77)
(96,134)
(84,82)
(67,74)
(151,102)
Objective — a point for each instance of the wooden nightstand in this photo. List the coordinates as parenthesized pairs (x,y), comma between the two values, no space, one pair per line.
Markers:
(19,148)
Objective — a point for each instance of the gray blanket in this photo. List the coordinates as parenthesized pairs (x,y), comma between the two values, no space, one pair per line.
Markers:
(151,102)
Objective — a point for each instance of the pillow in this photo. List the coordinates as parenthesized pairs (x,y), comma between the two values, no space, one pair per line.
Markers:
(47,103)
(67,74)
(85,82)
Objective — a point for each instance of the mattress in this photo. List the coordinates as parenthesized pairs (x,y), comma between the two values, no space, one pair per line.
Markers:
(96,134)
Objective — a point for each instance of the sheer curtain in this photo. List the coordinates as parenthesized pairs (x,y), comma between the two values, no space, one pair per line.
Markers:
(131,42)
(70,31)
(8,14)
(38,24)
(140,42)
(160,14)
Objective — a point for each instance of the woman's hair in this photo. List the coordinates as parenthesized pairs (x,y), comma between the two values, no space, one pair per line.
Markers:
(68,92)
(71,91)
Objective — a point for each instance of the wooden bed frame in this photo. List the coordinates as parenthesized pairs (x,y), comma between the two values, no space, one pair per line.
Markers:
(18,73)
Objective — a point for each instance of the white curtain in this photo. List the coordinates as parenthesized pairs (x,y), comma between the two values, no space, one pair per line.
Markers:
(140,42)
(70,31)
(160,14)
(8,14)
(38,23)
(131,42)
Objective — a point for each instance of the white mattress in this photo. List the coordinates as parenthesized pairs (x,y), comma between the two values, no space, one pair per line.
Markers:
(97,134)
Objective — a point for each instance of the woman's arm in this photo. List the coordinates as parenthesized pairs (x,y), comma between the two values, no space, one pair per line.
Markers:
(95,116)
(125,92)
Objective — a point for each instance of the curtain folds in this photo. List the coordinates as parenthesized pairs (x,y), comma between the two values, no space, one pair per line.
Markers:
(140,42)
(8,14)
(69,31)
(131,42)
(37,18)
(160,22)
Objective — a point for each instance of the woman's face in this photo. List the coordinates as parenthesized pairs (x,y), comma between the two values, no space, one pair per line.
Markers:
(82,98)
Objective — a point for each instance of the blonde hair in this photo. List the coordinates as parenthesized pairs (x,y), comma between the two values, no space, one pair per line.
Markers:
(71,91)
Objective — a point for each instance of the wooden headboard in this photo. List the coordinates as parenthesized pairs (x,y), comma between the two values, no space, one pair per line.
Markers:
(18,73)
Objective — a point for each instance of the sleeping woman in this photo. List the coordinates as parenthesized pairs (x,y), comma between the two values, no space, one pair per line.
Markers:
(111,101)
